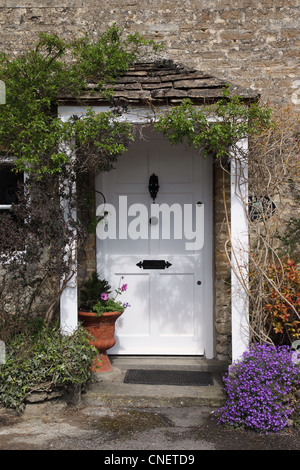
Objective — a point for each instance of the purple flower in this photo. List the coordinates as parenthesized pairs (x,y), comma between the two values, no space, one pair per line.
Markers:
(260,389)
(104,296)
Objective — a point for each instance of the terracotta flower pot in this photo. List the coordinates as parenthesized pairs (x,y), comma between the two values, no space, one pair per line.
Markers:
(103,330)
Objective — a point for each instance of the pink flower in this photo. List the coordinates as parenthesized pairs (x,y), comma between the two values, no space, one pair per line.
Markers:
(124,287)
(104,296)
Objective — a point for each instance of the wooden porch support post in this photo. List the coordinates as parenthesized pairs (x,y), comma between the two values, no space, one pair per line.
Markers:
(69,296)
(239,252)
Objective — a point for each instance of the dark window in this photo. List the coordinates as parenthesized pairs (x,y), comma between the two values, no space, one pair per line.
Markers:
(9,182)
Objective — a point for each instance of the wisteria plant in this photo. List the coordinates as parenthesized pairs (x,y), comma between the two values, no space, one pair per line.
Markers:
(262,389)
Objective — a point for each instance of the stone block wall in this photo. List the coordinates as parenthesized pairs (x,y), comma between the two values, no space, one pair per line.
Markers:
(222,303)
(253,43)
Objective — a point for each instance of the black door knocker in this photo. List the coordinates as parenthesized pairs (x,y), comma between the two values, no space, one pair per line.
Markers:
(153,186)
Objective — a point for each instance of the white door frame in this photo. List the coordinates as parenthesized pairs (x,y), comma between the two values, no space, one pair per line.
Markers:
(239,248)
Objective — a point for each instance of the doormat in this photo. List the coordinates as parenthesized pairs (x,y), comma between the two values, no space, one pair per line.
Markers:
(168,377)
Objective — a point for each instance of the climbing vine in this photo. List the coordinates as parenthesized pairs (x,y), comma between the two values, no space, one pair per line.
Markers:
(216,128)
(30,129)
(271,279)
(41,234)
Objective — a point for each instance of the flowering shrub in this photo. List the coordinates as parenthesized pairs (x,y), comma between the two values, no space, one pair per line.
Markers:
(262,389)
(282,309)
(107,304)
(91,291)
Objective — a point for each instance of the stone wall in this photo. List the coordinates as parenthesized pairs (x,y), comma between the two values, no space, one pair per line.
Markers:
(222,303)
(253,43)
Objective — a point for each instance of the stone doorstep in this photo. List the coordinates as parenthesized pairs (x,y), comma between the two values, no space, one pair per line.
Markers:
(109,388)
(161,362)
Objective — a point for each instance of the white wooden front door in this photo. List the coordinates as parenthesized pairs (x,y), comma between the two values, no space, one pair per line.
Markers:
(169,308)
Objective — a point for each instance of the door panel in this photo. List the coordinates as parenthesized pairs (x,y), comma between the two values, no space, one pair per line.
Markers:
(166,313)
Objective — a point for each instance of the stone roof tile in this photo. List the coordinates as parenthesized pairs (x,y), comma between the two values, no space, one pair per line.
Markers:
(164,82)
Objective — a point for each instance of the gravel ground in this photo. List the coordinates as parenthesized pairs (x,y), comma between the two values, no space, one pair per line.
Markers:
(56,426)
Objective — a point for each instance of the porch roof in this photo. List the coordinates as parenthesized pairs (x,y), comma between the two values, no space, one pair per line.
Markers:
(165,82)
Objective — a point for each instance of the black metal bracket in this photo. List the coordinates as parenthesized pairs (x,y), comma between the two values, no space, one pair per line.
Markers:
(154,264)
